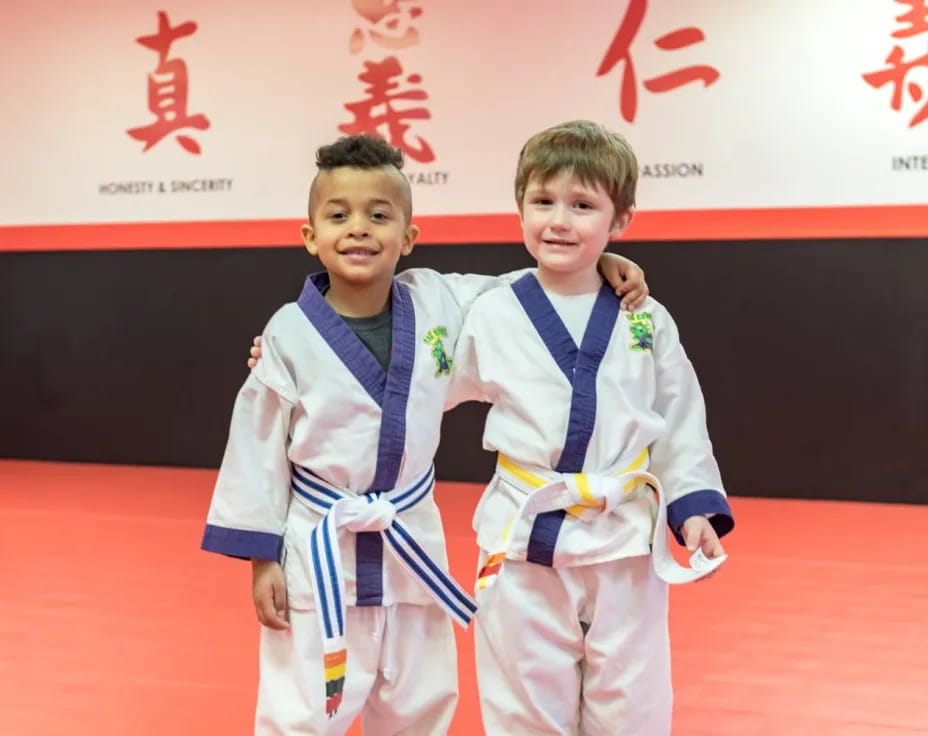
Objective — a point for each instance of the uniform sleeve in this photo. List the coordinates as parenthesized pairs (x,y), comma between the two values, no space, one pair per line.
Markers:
(682,459)
(466,287)
(466,381)
(250,501)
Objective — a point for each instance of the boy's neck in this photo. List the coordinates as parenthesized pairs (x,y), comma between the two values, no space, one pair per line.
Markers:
(358,300)
(569,282)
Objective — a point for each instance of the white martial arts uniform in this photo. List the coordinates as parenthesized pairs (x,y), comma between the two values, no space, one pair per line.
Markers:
(572,627)
(319,420)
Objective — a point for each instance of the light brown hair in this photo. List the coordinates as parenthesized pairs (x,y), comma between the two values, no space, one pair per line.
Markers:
(586,150)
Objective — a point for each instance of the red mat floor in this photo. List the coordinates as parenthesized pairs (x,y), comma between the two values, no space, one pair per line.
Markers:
(113,623)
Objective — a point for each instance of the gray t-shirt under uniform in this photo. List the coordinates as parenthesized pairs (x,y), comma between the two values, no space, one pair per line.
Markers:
(376,333)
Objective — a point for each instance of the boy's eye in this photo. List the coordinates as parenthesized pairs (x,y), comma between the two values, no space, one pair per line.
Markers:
(584,205)
(338,216)
(380,216)
(541,200)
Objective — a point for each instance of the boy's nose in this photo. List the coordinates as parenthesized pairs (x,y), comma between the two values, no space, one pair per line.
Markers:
(559,219)
(359,226)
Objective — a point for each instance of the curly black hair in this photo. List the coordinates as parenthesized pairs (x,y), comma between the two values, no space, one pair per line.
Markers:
(359,151)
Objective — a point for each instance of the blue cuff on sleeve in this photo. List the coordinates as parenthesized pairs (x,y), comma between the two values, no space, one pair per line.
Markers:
(698,503)
(243,544)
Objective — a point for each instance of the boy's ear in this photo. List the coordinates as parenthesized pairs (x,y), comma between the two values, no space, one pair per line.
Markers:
(521,217)
(409,239)
(309,238)
(622,222)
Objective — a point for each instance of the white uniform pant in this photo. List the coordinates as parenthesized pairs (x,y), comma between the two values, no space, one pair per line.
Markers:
(540,673)
(401,674)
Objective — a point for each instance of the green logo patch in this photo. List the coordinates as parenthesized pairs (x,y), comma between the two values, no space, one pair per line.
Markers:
(642,329)
(442,362)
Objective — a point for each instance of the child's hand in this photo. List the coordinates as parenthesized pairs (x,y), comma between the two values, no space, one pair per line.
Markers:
(626,277)
(269,587)
(255,352)
(698,533)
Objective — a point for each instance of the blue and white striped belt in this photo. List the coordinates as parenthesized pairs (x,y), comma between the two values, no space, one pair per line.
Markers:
(371,512)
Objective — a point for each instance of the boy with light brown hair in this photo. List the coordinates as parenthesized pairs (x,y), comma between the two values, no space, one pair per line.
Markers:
(599,424)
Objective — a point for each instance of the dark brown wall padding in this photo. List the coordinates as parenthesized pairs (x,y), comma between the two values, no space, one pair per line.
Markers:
(813,355)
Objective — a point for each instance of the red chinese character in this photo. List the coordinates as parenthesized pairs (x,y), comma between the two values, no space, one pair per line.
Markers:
(167,90)
(916,19)
(380,85)
(391,23)
(895,74)
(620,50)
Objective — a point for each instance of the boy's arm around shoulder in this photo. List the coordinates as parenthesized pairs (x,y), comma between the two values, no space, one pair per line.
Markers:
(683,459)
(624,275)
(252,494)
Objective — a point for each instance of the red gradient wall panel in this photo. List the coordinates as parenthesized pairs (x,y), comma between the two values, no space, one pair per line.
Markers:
(157,126)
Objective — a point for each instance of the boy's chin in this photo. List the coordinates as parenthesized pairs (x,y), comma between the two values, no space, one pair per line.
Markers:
(360,277)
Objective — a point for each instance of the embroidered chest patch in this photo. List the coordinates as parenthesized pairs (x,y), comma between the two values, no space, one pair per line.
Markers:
(642,330)
(443,363)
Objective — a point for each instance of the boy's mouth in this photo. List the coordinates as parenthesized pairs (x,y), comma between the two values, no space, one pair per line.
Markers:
(559,242)
(358,252)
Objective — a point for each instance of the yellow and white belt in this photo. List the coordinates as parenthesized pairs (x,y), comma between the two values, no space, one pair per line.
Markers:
(586,496)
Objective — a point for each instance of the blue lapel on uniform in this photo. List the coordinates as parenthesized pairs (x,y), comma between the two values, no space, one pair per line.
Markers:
(390,390)
(344,343)
(395,396)
(580,366)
